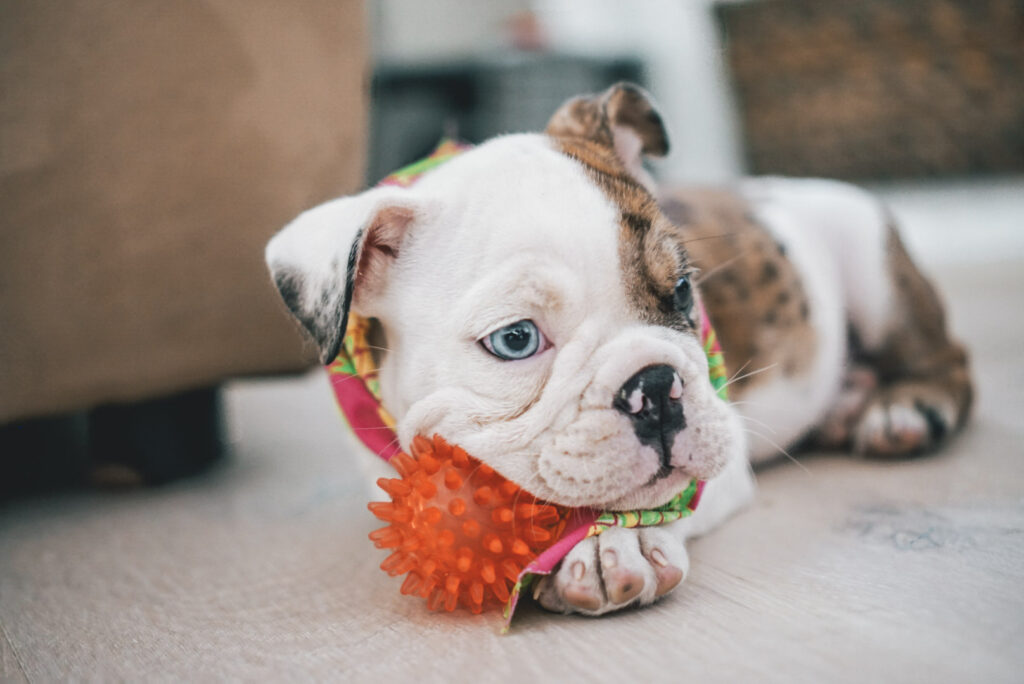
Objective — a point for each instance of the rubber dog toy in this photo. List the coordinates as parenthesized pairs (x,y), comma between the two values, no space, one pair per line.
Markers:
(460,532)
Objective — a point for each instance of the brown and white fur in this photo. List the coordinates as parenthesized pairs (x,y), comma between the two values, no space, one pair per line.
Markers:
(835,338)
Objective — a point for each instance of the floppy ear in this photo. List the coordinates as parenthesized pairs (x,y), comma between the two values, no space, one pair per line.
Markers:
(622,118)
(334,253)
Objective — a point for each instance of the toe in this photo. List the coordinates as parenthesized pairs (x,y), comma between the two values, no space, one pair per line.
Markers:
(627,575)
(907,428)
(667,555)
(623,585)
(579,592)
(892,430)
(582,597)
(667,575)
(576,585)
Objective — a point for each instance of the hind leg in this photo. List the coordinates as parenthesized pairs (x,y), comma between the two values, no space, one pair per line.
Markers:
(914,387)
(894,419)
(925,391)
(907,386)
(835,430)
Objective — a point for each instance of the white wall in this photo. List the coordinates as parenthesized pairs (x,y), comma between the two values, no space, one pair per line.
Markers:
(679,42)
(431,30)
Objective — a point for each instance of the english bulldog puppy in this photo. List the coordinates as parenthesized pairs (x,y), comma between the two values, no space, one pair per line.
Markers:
(538,301)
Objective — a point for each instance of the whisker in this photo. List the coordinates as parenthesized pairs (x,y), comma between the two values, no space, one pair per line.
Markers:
(746,401)
(759,370)
(394,442)
(728,262)
(739,370)
(707,237)
(515,500)
(781,450)
(759,422)
(339,378)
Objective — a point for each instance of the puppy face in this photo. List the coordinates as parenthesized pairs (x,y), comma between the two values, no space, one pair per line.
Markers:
(537,308)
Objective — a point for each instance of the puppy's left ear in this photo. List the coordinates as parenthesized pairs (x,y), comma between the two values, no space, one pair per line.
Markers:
(622,118)
(338,256)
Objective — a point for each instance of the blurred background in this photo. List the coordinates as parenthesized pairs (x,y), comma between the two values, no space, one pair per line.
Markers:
(149,149)
(178,493)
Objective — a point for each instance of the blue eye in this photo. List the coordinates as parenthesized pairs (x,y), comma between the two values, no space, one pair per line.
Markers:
(519,340)
(683,295)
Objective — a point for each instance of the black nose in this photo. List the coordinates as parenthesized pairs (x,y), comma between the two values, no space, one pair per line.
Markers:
(652,399)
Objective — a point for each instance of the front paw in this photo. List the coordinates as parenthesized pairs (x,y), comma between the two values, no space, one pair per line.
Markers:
(618,568)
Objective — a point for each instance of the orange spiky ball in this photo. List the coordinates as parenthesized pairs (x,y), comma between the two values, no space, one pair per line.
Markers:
(460,531)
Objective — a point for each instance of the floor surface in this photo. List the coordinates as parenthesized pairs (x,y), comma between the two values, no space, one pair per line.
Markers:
(848,571)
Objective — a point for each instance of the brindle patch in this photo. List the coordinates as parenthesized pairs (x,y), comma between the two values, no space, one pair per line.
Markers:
(753,294)
(919,348)
(592,117)
(651,251)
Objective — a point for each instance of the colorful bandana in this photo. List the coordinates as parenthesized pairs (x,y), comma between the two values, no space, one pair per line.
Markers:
(356,387)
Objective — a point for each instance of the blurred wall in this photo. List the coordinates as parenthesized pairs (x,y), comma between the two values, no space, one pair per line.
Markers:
(413,30)
(678,42)
(675,41)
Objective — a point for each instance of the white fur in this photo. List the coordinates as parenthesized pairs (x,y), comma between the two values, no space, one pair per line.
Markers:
(317,242)
(732,489)
(516,230)
(483,257)
(509,231)
(852,226)
(835,235)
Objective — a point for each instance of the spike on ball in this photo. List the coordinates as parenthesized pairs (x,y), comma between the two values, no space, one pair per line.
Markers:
(459,531)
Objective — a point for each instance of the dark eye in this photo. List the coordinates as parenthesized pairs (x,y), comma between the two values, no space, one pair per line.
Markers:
(519,340)
(683,295)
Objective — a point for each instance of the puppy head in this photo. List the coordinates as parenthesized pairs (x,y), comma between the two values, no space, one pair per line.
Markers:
(538,309)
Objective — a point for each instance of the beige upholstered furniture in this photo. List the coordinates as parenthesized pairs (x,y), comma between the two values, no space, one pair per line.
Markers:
(148,149)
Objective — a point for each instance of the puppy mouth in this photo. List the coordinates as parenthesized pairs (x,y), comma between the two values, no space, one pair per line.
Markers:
(663,472)
(665,468)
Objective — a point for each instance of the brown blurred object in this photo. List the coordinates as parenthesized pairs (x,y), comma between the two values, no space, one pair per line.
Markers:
(148,150)
(526,32)
(879,88)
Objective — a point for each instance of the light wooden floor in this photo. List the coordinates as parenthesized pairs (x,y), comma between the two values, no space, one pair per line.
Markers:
(852,572)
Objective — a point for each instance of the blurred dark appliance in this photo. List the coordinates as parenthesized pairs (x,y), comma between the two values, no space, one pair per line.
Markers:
(414,104)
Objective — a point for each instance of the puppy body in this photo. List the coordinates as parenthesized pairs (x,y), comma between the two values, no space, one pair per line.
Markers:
(841,341)
(564,232)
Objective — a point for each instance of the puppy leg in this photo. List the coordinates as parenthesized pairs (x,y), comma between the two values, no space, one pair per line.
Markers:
(924,389)
(835,429)
(624,567)
(896,321)
(618,568)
